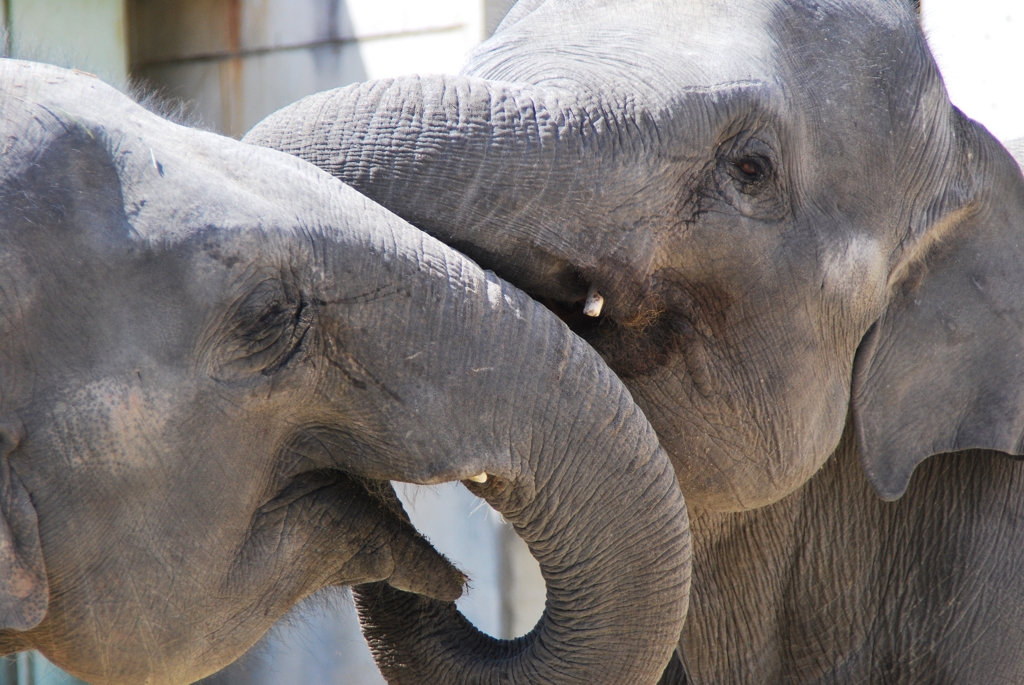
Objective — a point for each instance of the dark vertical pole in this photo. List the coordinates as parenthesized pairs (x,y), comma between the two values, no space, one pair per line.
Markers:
(5,31)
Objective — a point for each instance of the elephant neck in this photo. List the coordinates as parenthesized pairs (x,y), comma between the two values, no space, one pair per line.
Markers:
(833,585)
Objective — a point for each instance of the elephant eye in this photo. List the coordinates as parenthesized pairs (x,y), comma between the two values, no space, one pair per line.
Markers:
(751,169)
(746,177)
(266,330)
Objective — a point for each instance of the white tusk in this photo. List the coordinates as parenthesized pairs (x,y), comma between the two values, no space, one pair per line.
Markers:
(479,478)
(594,303)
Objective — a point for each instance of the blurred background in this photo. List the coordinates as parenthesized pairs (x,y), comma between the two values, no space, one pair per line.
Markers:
(235,61)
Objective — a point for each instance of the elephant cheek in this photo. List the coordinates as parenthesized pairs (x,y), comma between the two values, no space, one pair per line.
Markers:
(104,424)
(729,452)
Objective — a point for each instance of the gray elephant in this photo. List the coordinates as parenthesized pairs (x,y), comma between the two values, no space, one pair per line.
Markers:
(215,356)
(803,262)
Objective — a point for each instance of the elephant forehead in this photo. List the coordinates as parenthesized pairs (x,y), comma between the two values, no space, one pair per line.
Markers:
(178,182)
(175,181)
(189,181)
(656,47)
(625,39)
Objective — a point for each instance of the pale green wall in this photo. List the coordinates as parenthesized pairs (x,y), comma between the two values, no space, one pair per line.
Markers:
(87,34)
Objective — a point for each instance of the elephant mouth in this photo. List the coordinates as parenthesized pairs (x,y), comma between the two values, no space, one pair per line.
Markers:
(632,341)
(360,525)
(604,304)
(583,324)
(611,306)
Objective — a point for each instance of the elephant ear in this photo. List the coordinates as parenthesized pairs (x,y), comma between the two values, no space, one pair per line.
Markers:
(24,591)
(943,369)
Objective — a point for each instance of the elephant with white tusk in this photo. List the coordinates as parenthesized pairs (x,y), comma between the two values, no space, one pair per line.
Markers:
(810,271)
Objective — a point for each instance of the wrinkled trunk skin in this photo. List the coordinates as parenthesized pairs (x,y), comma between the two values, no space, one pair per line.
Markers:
(572,463)
(419,640)
(639,601)
(465,158)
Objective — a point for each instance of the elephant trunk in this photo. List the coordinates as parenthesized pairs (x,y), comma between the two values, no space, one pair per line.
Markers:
(421,144)
(615,596)
(484,379)
(501,171)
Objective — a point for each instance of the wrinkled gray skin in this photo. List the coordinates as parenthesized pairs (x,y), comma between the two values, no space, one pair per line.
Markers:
(212,359)
(811,265)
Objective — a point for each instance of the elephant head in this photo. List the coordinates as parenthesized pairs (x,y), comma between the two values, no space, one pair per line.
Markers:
(775,209)
(214,358)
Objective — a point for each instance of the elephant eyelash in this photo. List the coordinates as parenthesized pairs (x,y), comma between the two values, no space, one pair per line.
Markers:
(269,328)
(299,326)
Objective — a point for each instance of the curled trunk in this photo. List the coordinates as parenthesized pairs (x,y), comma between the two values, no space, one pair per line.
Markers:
(600,510)
(574,464)
(618,626)
(485,379)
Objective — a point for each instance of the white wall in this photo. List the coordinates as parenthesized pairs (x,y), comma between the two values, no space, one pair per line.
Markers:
(978,48)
